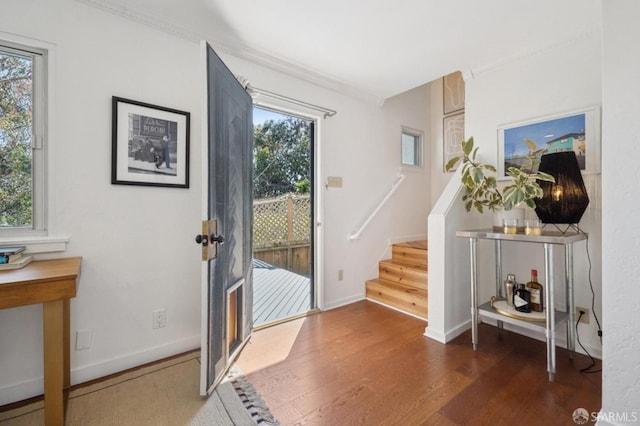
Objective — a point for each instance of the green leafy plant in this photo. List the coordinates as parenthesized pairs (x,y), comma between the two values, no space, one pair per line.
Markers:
(481,185)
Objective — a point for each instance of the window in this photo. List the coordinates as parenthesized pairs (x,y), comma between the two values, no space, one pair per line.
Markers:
(411,147)
(22,136)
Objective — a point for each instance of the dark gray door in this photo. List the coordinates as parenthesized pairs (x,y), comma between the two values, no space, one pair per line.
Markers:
(228,313)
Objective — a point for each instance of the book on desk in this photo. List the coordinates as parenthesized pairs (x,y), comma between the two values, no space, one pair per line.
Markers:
(13,258)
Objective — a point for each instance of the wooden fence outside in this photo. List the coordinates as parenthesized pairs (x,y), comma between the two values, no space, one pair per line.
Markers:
(281,232)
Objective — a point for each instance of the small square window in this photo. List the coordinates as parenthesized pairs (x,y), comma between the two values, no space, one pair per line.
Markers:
(411,147)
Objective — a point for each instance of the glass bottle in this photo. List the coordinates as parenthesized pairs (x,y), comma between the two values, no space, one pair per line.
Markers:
(535,288)
(522,299)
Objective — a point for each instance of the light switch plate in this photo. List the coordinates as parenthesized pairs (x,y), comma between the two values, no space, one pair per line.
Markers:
(334,182)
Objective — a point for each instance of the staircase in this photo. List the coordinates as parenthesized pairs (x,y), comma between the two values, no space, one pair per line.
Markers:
(402,280)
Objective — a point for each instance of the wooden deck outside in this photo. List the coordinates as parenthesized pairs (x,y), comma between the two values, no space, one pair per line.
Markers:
(278,293)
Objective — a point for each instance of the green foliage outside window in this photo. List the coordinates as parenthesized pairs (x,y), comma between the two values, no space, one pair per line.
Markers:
(281,158)
(15,140)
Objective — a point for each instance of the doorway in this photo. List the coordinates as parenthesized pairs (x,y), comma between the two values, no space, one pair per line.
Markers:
(283,216)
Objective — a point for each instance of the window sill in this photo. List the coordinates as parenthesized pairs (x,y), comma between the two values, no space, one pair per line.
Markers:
(36,245)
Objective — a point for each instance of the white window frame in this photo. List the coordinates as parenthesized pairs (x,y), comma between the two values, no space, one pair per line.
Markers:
(418,147)
(38,145)
(39,239)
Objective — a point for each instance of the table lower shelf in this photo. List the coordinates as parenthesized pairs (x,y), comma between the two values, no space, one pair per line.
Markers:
(487,311)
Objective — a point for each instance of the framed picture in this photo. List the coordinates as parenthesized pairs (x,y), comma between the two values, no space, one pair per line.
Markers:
(575,130)
(150,145)
(452,92)
(453,135)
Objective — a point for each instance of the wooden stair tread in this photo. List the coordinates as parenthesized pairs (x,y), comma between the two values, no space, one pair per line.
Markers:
(398,296)
(402,280)
(403,264)
(398,287)
(408,254)
(403,273)
(419,244)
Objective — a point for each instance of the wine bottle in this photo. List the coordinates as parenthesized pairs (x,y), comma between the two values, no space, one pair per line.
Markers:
(535,288)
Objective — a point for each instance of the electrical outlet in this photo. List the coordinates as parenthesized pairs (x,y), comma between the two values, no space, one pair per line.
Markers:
(585,316)
(83,340)
(160,318)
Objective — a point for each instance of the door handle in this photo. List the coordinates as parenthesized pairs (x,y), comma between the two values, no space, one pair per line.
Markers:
(202,239)
(209,240)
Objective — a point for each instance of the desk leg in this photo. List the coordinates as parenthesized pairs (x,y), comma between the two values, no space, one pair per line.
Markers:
(66,345)
(53,318)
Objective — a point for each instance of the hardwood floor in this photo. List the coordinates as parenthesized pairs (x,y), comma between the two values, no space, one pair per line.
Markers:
(364,364)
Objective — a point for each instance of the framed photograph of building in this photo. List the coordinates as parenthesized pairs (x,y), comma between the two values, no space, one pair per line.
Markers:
(150,145)
(578,131)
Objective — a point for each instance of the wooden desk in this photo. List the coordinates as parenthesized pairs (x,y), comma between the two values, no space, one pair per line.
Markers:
(52,283)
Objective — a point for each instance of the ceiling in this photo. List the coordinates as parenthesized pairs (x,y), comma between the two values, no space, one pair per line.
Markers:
(375,47)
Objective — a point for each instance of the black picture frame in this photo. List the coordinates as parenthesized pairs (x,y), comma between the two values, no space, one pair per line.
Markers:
(150,144)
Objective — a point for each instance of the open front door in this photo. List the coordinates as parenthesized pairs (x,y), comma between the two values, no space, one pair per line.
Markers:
(226,232)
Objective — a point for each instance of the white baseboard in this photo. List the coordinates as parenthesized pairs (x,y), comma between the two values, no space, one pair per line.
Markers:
(104,368)
(34,387)
(434,335)
(396,309)
(457,330)
(23,390)
(447,336)
(342,302)
(561,337)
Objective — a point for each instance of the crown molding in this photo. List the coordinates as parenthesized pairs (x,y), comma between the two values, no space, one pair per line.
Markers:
(241,52)
(472,73)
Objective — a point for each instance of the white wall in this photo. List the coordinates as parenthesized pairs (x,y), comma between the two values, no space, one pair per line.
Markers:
(620,266)
(563,78)
(137,242)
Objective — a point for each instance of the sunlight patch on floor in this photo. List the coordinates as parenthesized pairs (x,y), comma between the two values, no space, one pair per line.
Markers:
(269,346)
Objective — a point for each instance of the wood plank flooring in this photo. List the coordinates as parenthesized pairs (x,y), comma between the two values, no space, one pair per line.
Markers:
(365,364)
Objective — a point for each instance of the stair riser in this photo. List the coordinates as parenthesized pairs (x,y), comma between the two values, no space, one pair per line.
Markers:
(399,274)
(409,300)
(410,255)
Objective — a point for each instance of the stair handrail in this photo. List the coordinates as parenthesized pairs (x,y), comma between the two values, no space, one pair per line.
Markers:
(396,184)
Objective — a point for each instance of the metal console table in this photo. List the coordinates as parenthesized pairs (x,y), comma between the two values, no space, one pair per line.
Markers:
(553,318)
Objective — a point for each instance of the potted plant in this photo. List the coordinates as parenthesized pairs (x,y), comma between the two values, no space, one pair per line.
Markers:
(481,185)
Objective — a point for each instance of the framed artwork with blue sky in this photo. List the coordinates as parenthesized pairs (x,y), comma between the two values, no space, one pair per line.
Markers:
(578,131)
